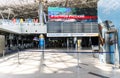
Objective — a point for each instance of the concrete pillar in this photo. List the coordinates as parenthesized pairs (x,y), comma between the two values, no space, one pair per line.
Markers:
(41,13)
(11,38)
(67,43)
(75,42)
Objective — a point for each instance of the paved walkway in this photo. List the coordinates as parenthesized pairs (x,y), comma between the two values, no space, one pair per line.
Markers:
(54,65)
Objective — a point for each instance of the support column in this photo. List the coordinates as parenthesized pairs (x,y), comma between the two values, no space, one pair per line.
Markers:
(75,42)
(11,37)
(41,13)
(67,43)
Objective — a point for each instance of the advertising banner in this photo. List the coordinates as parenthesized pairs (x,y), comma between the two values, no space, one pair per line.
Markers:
(71,14)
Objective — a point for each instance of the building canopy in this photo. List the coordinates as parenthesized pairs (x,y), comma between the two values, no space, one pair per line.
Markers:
(29,8)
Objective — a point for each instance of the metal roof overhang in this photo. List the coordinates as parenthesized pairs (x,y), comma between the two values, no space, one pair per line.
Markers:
(29,8)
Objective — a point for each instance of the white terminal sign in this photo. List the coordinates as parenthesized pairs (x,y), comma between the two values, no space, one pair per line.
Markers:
(71,34)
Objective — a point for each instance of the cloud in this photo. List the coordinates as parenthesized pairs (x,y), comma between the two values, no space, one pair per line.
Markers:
(109,5)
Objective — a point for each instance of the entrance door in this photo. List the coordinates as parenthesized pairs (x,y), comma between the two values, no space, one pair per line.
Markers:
(57,42)
(71,43)
(85,42)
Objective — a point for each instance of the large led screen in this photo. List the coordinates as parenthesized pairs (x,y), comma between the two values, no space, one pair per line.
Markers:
(71,14)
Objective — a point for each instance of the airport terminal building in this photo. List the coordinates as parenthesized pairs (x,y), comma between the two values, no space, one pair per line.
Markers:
(59,39)
(62,27)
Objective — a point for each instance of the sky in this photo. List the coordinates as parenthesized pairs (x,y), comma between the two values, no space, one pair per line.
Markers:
(110,10)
